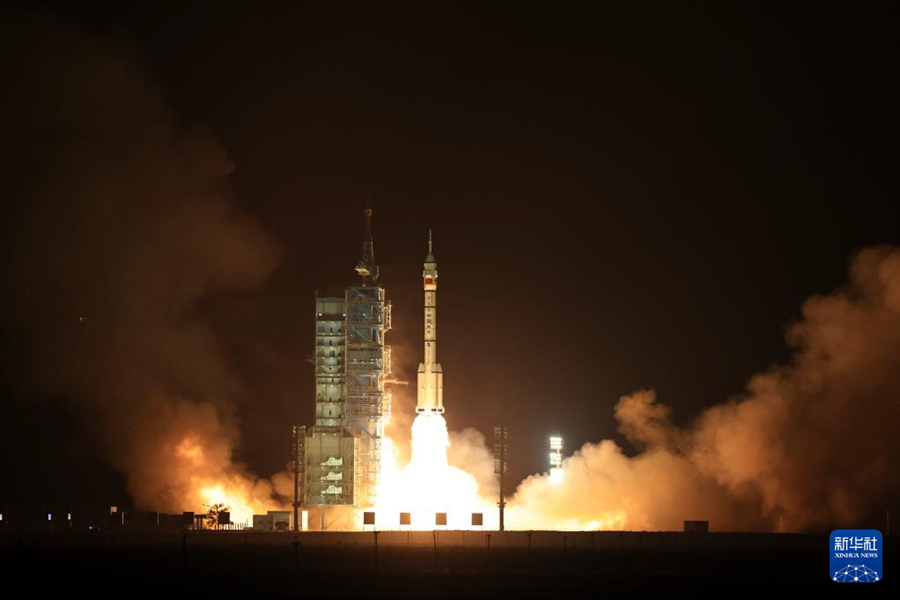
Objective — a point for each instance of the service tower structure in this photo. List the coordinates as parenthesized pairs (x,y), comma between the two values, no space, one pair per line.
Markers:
(430,376)
(368,367)
(353,364)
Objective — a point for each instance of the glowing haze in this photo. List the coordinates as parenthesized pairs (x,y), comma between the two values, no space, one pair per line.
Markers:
(785,454)
(122,228)
(144,226)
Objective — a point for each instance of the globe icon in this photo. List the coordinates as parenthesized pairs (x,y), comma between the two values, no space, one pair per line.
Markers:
(855,574)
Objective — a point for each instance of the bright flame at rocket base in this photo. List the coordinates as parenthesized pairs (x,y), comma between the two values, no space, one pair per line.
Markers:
(731,466)
(424,487)
(429,485)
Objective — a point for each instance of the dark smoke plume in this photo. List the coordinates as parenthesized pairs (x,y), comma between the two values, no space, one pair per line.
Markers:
(118,222)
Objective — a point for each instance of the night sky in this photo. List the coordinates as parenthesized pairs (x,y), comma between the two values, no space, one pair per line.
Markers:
(621,199)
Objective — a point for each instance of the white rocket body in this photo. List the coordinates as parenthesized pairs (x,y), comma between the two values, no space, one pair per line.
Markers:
(430,377)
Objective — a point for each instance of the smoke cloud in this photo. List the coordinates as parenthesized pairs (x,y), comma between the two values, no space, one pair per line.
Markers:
(810,444)
(122,221)
(814,439)
(468,451)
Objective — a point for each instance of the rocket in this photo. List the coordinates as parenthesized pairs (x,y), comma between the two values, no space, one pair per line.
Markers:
(430,377)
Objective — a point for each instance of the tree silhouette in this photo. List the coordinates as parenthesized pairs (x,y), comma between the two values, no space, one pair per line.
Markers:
(213,512)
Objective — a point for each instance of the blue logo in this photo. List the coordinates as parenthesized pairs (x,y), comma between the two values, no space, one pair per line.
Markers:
(856,556)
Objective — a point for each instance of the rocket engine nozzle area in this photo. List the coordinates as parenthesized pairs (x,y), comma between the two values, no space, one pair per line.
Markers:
(430,390)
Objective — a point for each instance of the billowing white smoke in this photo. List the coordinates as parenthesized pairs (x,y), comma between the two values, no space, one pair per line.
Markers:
(809,445)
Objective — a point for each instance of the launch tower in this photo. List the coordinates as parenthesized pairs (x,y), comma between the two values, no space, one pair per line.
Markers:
(343,450)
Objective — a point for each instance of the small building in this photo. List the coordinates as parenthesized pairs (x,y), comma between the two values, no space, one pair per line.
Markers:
(696,526)
(262,522)
(282,520)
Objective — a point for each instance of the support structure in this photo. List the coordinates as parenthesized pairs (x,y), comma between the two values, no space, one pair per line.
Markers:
(368,406)
(298,452)
(500,449)
(330,447)
(353,366)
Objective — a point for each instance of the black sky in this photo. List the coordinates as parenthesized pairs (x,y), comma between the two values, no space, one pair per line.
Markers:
(621,198)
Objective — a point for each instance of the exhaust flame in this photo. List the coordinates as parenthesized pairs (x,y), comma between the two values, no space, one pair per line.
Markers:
(429,484)
(783,452)
(143,211)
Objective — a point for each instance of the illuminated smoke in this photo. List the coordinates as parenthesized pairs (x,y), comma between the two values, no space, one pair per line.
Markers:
(809,445)
(603,488)
(123,222)
(816,439)
(469,452)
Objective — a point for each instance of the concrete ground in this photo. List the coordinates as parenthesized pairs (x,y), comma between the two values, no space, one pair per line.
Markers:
(411,564)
